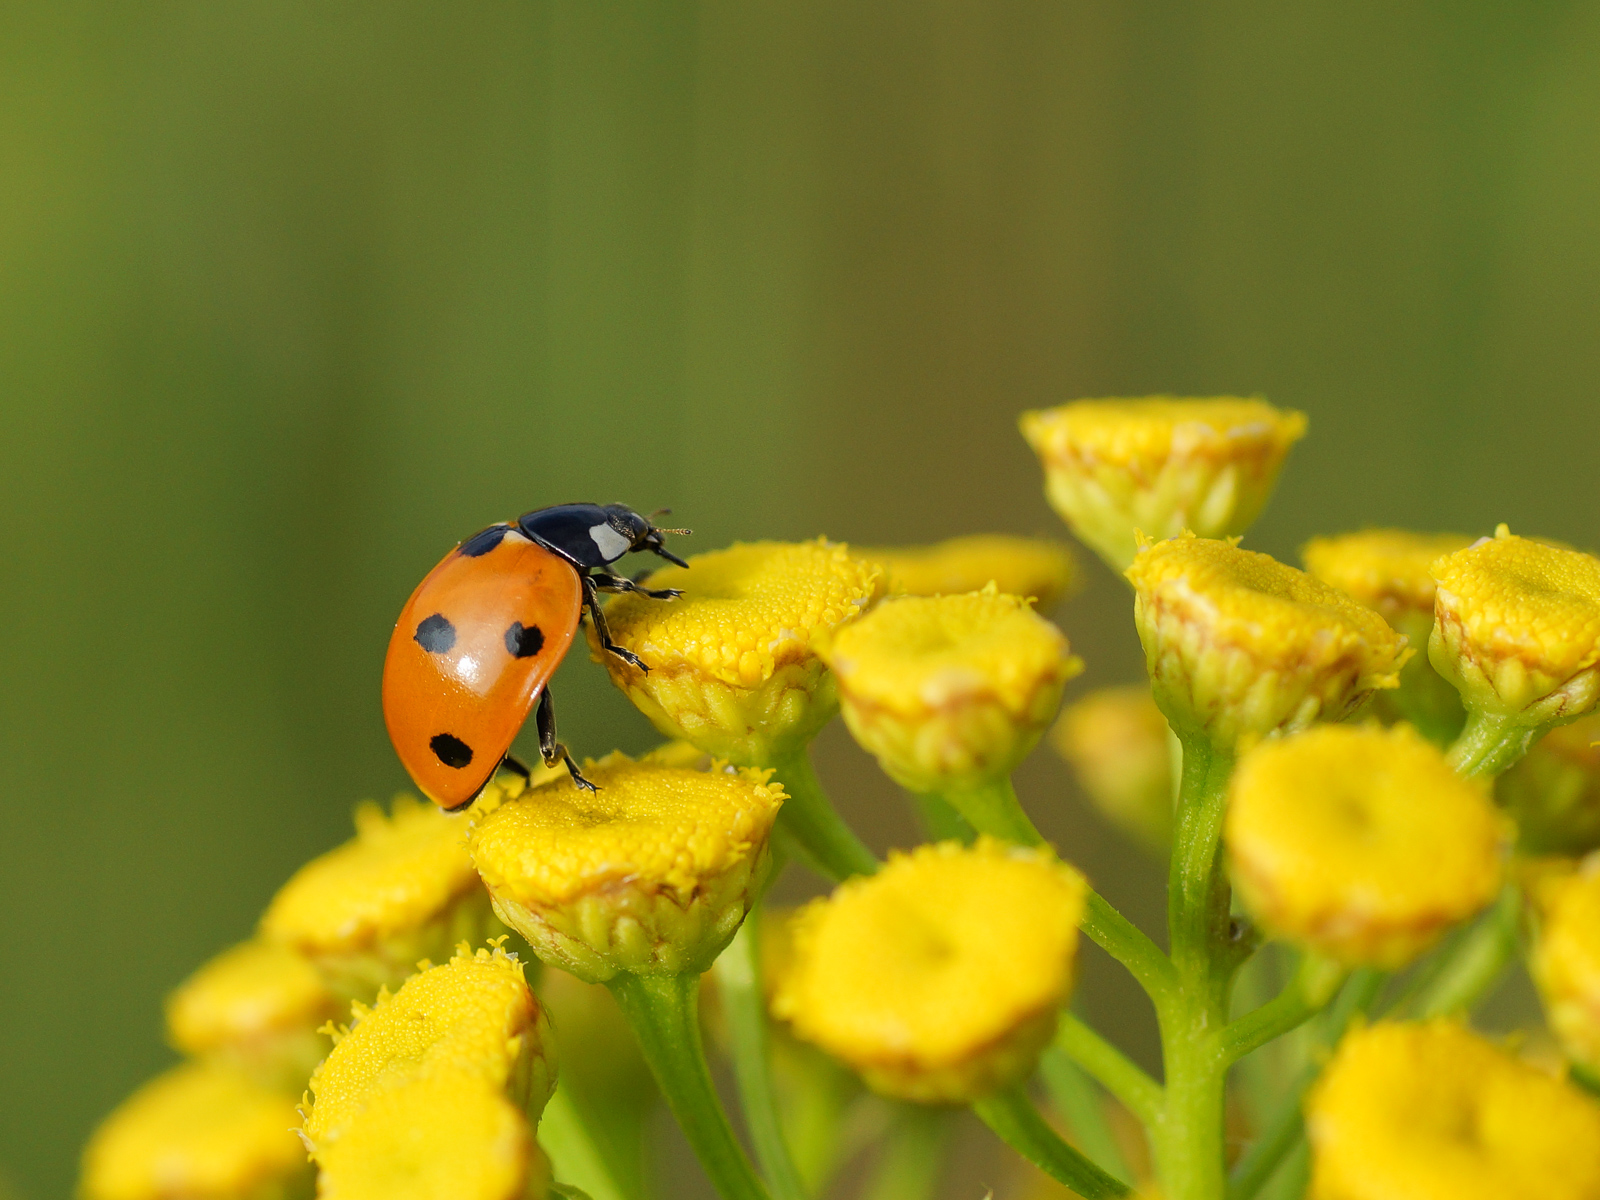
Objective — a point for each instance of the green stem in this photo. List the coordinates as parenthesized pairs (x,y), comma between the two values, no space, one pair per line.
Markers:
(994,809)
(1117,1073)
(909,1166)
(663,1013)
(1076,1098)
(744,1005)
(575,1158)
(940,822)
(808,816)
(1313,985)
(1013,1117)
(1476,962)
(1489,745)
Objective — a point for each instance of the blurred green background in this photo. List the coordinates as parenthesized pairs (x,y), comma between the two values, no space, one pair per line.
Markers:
(294,295)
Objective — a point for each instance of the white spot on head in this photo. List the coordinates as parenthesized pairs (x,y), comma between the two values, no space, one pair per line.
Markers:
(514,532)
(611,544)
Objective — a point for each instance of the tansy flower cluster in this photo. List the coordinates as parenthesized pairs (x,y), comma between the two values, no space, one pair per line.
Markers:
(1373,786)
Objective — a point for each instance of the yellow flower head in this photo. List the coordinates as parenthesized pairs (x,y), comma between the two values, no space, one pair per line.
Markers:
(257,1007)
(733,663)
(402,890)
(1239,646)
(1554,792)
(1517,628)
(437,1137)
(1033,567)
(1434,1112)
(1566,961)
(651,874)
(474,1016)
(950,692)
(1118,745)
(200,1132)
(938,978)
(1158,466)
(1361,842)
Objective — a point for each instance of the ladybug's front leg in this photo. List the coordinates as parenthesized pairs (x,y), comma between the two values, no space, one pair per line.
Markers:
(552,751)
(619,583)
(591,601)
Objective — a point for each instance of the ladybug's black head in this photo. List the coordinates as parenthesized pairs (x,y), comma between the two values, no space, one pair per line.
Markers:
(641,532)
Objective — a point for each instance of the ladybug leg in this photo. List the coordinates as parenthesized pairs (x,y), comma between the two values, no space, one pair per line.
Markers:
(550,750)
(591,601)
(619,583)
(516,766)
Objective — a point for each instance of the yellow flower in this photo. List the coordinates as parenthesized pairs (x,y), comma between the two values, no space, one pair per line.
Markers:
(1240,646)
(1118,744)
(1566,961)
(1434,1112)
(437,1137)
(1554,793)
(1158,466)
(198,1132)
(950,692)
(733,664)
(1361,842)
(651,874)
(938,978)
(474,1016)
(402,890)
(1033,567)
(256,1007)
(1517,629)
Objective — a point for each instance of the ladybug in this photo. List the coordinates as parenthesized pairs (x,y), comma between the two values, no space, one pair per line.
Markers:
(480,637)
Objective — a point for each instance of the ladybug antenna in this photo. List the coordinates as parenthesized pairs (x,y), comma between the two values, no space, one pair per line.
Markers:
(661,512)
(679,532)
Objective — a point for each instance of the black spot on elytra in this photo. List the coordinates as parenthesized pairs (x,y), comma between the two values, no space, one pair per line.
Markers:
(451,750)
(484,541)
(436,634)
(524,643)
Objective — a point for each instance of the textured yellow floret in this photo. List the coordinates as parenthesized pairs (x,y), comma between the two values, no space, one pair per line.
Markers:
(1385,569)
(1566,962)
(1239,645)
(1034,567)
(733,665)
(1554,793)
(403,889)
(1115,468)
(197,1132)
(650,873)
(1517,627)
(473,1016)
(443,1137)
(939,977)
(1119,746)
(950,691)
(1435,1112)
(1361,842)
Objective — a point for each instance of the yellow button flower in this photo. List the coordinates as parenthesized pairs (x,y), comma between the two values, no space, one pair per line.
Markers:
(1517,629)
(473,1016)
(1434,1112)
(938,978)
(1361,842)
(1566,961)
(1119,746)
(1554,793)
(198,1132)
(1239,646)
(402,890)
(651,874)
(1033,567)
(733,664)
(439,1137)
(257,1007)
(950,692)
(1158,466)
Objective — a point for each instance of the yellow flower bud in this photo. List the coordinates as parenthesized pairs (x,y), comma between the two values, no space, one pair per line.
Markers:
(950,692)
(1158,466)
(733,664)
(1517,629)
(1566,961)
(1360,842)
(444,1135)
(938,978)
(1119,745)
(1434,1112)
(256,1007)
(1554,793)
(199,1132)
(1033,567)
(651,874)
(1240,646)
(402,890)
(474,1016)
